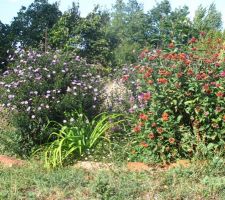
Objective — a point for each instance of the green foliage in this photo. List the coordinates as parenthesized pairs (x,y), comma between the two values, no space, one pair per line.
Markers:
(5,44)
(86,36)
(167,25)
(41,86)
(31,24)
(64,29)
(78,138)
(91,41)
(128,26)
(207,19)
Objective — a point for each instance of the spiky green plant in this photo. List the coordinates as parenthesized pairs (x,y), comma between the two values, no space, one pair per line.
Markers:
(74,139)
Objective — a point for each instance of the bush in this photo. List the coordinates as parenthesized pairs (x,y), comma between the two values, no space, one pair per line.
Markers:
(178,102)
(39,87)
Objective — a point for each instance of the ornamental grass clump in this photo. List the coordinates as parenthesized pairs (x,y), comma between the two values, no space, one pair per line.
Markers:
(78,136)
(38,87)
(178,101)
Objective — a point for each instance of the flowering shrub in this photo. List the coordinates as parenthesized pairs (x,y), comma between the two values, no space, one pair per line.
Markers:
(178,101)
(39,87)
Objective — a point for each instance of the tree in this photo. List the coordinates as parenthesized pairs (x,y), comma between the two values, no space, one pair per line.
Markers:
(167,25)
(63,30)
(207,19)
(90,38)
(31,24)
(5,44)
(128,25)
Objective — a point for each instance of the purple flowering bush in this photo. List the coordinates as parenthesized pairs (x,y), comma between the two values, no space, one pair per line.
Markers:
(38,87)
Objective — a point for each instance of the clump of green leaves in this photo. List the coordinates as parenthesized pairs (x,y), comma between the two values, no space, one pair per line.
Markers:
(78,137)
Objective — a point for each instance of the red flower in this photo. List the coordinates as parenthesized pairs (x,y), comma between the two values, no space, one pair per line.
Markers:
(219,94)
(182,56)
(150,82)
(143,117)
(146,96)
(217,64)
(165,116)
(222,74)
(125,78)
(187,62)
(159,130)
(162,80)
(201,76)
(144,144)
(154,124)
(224,118)
(190,72)
(151,136)
(193,40)
(141,124)
(148,73)
(137,129)
(171,140)
(206,88)
(179,75)
(163,72)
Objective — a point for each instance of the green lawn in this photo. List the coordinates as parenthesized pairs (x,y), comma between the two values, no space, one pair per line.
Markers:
(34,182)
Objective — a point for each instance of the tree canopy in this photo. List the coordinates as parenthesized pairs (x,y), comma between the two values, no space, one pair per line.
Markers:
(110,38)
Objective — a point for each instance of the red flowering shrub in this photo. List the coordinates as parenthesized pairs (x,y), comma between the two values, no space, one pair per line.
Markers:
(183,113)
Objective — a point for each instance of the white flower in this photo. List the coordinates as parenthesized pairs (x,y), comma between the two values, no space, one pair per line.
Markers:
(68,89)
(33,116)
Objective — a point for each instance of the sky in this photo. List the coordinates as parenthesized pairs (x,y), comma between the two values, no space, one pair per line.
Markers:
(9,8)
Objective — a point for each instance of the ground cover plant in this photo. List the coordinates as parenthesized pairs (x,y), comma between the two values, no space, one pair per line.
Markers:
(70,183)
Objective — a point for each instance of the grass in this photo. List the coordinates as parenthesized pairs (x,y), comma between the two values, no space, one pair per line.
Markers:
(199,181)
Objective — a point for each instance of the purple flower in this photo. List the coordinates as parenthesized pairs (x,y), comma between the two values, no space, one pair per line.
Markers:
(77,58)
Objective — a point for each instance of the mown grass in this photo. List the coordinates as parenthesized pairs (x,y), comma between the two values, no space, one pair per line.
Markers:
(199,181)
